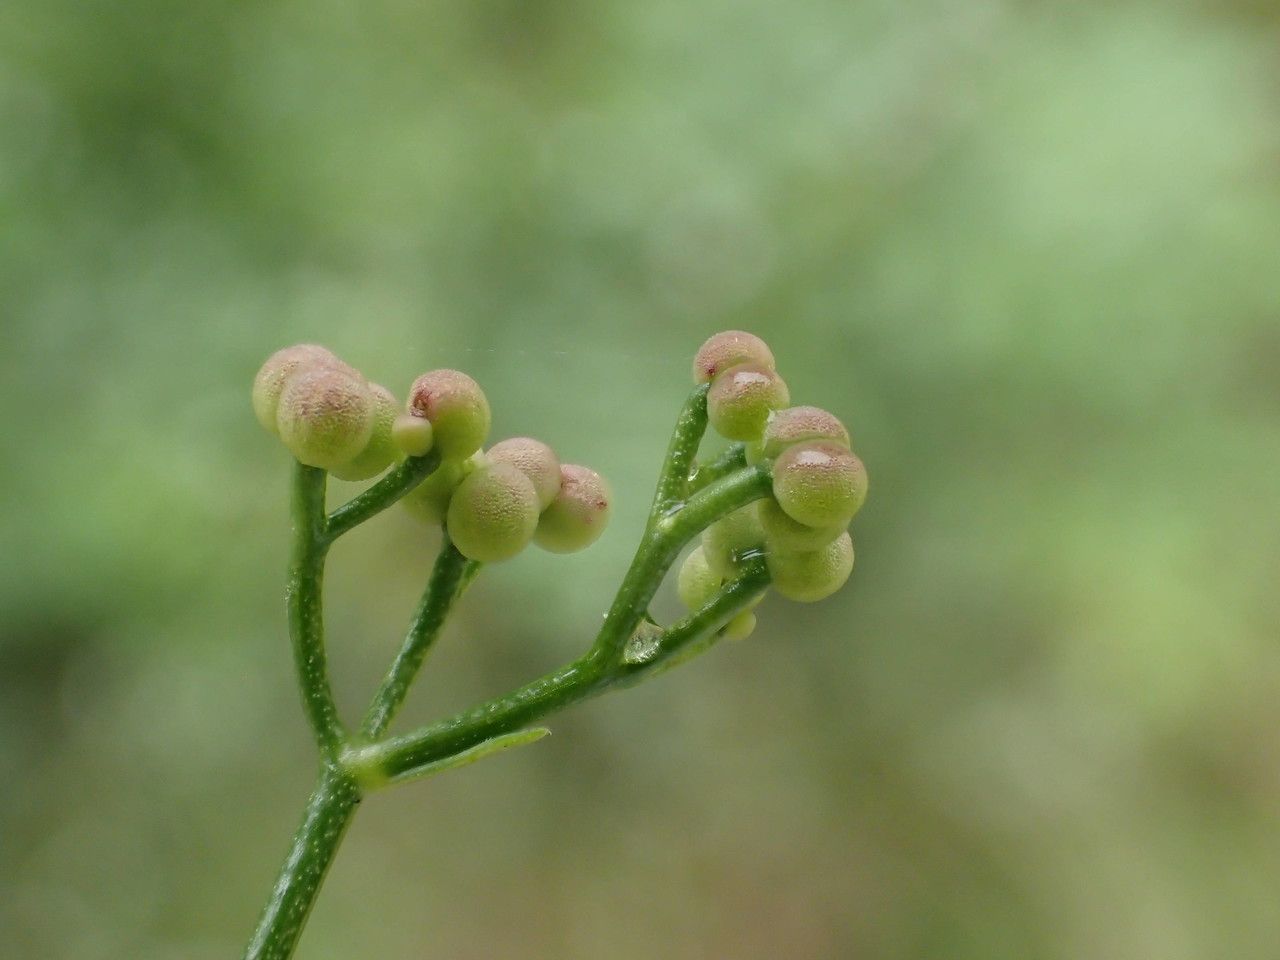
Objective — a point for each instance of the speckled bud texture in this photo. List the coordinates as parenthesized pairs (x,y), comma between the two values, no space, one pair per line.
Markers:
(457,409)
(535,460)
(493,513)
(325,415)
(819,484)
(728,349)
(579,513)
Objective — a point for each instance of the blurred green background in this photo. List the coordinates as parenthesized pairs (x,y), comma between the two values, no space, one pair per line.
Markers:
(1029,251)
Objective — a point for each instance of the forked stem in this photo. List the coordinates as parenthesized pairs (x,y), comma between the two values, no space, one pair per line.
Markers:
(303,602)
(348,770)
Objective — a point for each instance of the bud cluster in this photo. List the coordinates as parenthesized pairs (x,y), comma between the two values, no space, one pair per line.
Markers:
(325,411)
(493,503)
(819,484)
(496,503)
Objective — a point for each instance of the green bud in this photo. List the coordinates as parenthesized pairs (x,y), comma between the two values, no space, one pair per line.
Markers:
(325,416)
(812,576)
(493,513)
(727,541)
(696,583)
(380,452)
(799,424)
(429,500)
(280,366)
(414,436)
(535,460)
(578,514)
(741,626)
(741,399)
(457,408)
(819,483)
(728,349)
(790,536)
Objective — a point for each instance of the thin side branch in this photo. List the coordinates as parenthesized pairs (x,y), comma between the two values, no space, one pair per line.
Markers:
(661,545)
(734,458)
(448,580)
(383,494)
(674,478)
(402,756)
(303,602)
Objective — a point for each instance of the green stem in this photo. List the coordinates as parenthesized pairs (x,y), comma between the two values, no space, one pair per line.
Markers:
(588,676)
(734,458)
(305,609)
(674,479)
(445,585)
(662,543)
(673,522)
(602,663)
(700,630)
(328,813)
(383,494)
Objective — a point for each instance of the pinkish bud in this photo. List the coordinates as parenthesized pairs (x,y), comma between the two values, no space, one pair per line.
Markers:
(457,408)
(271,377)
(325,415)
(381,451)
(578,514)
(741,399)
(728,349)
(535,460)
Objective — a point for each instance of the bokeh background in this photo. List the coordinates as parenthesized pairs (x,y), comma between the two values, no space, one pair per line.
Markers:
(1030,252)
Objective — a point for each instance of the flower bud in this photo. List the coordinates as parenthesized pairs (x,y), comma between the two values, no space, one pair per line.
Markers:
(741,399)
(429,500)
(413,436)
(812,576)
(493,513)
(535,460)
(783,534)
(578,514)
(325,415)
(728,349)
(799,424)
(380,452)
(727,541)
(696,583)
(269,383)
(457,408)
(819,483)
(741,626)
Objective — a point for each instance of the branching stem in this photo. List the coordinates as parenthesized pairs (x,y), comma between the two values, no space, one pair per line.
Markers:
(683,506)
(446,585)
(305,609)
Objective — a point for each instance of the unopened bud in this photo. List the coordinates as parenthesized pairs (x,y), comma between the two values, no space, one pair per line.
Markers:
(381,451)
(728,349)
(325,415)
(457,408)
(578,514)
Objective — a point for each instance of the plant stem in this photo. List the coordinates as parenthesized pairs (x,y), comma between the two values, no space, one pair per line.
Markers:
(335,798)
(305,610)
(601,664)
(734,458)
(328,813)
(445,585)
(382,494)
(699,631)
(674,478)
(347,770)
(661,544)
(585,677)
